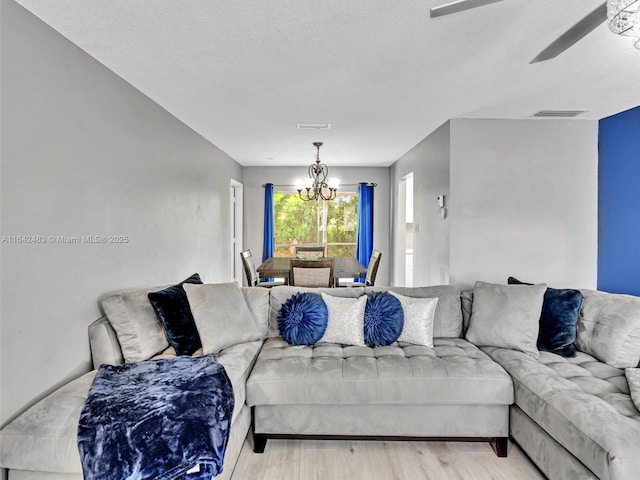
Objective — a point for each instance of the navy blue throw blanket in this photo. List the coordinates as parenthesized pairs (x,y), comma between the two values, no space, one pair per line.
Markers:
(157,419)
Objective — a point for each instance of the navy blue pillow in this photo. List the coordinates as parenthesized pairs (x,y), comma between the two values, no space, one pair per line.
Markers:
(172,309)
(560,311)
(303,318)
(383,319)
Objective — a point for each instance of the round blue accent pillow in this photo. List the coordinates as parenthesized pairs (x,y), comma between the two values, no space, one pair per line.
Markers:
(303,318)
(383,319)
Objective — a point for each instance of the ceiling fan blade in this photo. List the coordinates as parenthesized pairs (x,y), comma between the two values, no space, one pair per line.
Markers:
(458,6)
(574,34)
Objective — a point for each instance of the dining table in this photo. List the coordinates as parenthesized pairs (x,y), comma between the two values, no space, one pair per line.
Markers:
(343,267)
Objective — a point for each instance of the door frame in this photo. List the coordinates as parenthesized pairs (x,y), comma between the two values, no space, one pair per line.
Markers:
(236,216)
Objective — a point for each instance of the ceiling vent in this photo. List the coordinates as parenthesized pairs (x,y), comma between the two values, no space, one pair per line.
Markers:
(558,113)
(313,126)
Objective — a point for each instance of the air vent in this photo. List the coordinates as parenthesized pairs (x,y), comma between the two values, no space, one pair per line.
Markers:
(558,113)
(314,126)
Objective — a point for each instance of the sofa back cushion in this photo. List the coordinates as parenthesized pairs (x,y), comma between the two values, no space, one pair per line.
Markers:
(447,322)
(258,301)
(139,331)
(609,328)
(506,316)
(222,316)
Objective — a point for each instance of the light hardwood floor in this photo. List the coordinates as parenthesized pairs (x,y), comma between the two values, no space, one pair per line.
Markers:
(370,460)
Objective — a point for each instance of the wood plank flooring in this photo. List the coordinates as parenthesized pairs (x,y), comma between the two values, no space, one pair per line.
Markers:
(371,460)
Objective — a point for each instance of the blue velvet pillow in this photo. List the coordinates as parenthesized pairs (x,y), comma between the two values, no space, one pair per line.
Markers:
(172,309)
(383,319)
(560,311)
(303,319)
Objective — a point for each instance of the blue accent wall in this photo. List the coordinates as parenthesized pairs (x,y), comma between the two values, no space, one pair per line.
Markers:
(619,203)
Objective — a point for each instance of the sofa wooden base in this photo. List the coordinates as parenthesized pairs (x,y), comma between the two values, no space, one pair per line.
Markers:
(498,444)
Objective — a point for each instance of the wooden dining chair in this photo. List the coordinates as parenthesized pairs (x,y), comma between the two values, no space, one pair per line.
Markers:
(311,273)
(253,279)
(308,252)
(372,271)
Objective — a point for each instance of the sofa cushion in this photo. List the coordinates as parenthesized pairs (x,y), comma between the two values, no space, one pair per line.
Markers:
(633,379)
(418,319)
(238,361)
(560,311)
(222,315)
(172,309)
(609,328)
(258,301)
(44,437)
(453,371)
(137,327)
(346,320)
(584,404)
(447,322)
(506,316)
(303,318)
(383,319)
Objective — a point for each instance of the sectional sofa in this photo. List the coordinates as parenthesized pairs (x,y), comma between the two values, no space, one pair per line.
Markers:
(471,371)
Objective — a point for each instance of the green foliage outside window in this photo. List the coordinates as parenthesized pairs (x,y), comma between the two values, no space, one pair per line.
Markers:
(329,223)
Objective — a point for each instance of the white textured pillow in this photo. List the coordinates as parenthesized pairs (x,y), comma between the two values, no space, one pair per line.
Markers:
(418,319)
(506,316)
(222,316)
(346,320)
(139,332)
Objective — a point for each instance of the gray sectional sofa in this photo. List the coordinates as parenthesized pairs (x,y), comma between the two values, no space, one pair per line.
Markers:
(574,417)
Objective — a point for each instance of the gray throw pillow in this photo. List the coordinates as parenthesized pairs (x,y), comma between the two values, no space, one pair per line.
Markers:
(222,316)
(506,316)
(139,332)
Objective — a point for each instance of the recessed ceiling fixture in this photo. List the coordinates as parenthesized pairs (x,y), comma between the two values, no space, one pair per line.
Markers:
(558,113)
(317,186)
(313,126)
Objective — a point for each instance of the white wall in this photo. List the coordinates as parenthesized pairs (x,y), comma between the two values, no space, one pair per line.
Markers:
(254,177)
(429,162)
(84,153)
(523,201)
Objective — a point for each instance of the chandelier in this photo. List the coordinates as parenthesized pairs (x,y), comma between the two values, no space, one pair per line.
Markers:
(317,186)
(624,18)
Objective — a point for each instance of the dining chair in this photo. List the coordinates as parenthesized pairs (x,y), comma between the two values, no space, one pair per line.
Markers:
(311,273)
(372,271)
(307,252)
(253,279)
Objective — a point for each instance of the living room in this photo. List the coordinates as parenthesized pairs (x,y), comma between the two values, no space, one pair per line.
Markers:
(86,153)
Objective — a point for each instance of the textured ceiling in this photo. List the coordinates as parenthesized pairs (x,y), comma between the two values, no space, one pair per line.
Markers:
(383,74)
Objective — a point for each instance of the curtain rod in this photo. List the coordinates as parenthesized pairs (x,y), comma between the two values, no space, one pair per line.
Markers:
(370,184)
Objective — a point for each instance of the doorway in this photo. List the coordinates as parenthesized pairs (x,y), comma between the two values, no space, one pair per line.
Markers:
(236,218)
(405,230)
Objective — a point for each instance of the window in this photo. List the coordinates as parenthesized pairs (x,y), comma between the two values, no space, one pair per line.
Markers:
(328,223)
